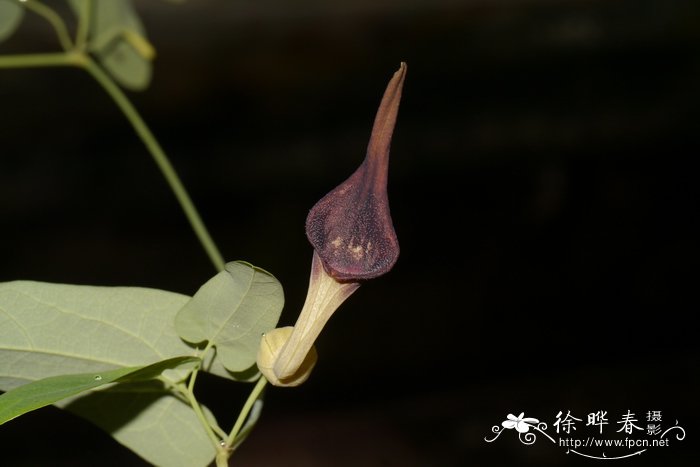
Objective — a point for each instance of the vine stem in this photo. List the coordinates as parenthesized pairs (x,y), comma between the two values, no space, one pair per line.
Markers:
(38,60)
(216,442)
(83,29)
(75,56)
(252,397)
(54,19)
(82,60)
(159,157)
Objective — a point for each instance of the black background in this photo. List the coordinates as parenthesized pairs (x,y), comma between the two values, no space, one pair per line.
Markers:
(542,186)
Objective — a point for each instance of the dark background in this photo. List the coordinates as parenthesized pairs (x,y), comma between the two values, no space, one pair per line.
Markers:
(542,185)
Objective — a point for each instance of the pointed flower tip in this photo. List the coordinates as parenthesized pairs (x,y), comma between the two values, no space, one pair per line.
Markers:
(351,228)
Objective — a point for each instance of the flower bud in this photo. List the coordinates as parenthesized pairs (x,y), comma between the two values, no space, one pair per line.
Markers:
(270,347)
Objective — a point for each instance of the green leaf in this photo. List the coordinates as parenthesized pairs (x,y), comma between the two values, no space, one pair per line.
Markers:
(46,391)
(53,329)
(10,16)
(118,39)
(57,329)
(149,420)
(231,311)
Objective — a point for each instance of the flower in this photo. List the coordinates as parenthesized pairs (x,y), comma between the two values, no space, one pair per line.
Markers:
(522,425)
(350,228)
(287,360)
(354,240)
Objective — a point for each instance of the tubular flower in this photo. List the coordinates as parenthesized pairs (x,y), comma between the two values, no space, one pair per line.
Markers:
(350,228)
(354,240)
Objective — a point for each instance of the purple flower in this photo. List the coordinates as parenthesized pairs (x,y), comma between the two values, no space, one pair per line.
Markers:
(350,228)
(353,238)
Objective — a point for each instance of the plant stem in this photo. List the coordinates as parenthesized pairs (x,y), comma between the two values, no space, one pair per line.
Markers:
(202,418)
(39,60)
(84,61)
(52,17)
(75,55)
(81,34)
(252,397)
(159,157)
(222,459)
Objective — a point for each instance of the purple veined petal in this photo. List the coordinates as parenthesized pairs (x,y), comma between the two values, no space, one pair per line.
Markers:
(351,228)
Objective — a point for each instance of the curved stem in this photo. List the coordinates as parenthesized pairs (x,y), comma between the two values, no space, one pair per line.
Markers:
(214,432)
(84,61)
(56,21)
(252,397)
(216,442)
(160,158)
(203,420)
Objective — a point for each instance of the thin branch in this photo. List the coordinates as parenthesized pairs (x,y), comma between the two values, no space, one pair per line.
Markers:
(54,19)
(81,34)
(40,60)
(160,158)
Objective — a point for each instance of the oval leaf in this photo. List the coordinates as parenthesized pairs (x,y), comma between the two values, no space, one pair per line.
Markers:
(57,329)
(148,419)
(231,311)
(53,329)
(118,39)
(10,17)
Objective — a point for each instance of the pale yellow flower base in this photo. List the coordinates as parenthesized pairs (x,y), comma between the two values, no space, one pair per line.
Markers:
(282,357)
